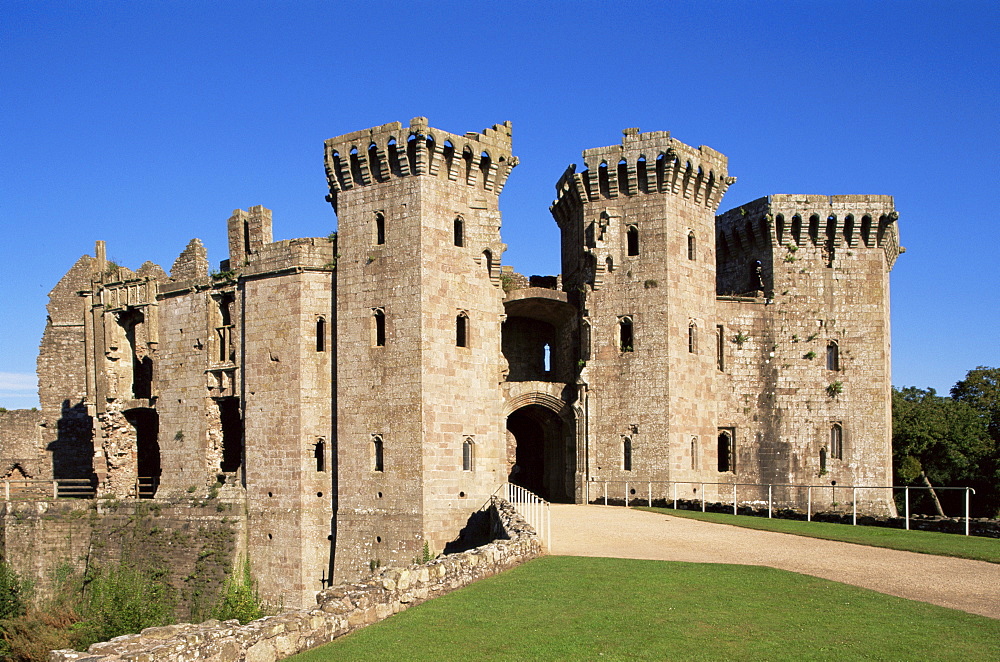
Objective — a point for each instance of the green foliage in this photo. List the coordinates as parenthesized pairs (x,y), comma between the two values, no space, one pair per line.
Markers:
(629,609)
(833,389)
(506,281)
(427,553)
(981,390)
(13,592)
(740,338)
(332,237)
(649,284)
(239,598)
(810,355)
(123,599)
(223,275)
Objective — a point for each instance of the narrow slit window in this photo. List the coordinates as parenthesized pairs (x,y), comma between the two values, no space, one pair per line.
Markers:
(459,231)
(378,450)
(822,460)
(692,246)
(378,319)
(319,453)
(720,347)
(462,330)
(837,442)
(468,454)
(832,356)
(632,239)
(320,334)
(626,336)
(379,228)
(627,454)
(692,338)
(695,464)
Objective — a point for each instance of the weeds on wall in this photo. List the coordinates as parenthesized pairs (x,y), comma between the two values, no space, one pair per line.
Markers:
(240,598)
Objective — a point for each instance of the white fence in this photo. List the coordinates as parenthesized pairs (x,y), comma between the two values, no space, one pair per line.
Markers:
(667,490)
(534,509)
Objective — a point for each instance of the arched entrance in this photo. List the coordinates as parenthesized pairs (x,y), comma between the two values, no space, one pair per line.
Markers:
(541,452)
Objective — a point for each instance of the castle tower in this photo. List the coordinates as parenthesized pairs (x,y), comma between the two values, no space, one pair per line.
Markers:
(638,227)
(418,309)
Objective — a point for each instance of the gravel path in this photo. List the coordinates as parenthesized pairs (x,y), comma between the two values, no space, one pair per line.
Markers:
(972,586)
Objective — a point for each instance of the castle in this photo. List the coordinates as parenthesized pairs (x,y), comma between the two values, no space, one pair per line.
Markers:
(362,394)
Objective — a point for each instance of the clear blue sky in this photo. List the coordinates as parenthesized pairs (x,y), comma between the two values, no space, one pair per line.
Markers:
(146,123)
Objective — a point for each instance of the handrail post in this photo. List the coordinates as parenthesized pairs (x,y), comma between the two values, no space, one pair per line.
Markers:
(55,489)
(649,495)
(769,497)
(605,493)
(675,496)
(854,506)
(967,510)
(734,498)
(809,507)
(907,495)
(703,497)
(626,494)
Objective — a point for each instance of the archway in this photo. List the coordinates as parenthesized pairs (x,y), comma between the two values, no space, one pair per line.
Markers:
(146,424)
(540,452)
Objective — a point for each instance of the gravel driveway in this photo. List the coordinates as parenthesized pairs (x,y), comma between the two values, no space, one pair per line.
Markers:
(972,586)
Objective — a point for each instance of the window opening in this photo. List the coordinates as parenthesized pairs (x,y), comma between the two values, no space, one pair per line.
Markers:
(468,456)
(725,452)
(488,260)
(692,247)
(232,434)
(627,454)
(319,453)
(625,334)
(320,334)
(462,330)
(822,460)
(837,442)
(459,232)
(832,356)
(379,318)
(378,463)
(694,453)
(720,347)
(633,240)
(692,338)
(379,228)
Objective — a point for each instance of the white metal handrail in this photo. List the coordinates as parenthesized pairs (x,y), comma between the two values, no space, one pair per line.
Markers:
(632,494)
(534,509)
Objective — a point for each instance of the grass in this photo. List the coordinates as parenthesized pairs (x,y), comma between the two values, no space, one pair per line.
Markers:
(923,542)
(573,608)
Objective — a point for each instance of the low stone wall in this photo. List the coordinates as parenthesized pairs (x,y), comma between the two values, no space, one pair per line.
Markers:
(340,610)
(978,526)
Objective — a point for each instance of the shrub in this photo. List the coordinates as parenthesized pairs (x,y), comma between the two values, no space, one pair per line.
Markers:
(239,598)
(125,600)
(13,592)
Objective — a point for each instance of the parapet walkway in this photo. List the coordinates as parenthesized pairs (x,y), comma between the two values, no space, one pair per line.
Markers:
(972,586)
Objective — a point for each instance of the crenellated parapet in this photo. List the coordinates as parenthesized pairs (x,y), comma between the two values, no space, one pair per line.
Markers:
(371,156)
(645,163)
(827,222)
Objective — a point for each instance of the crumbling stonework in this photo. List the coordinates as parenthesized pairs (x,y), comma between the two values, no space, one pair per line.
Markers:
(363,392)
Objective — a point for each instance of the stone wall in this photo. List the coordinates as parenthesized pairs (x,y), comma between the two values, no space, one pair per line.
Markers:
(22,454)
(339,611)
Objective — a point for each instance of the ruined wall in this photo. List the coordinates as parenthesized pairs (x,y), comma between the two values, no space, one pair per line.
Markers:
(22,453)
(643,273)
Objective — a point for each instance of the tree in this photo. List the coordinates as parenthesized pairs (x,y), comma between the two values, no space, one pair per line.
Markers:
(939,441)
(981,390)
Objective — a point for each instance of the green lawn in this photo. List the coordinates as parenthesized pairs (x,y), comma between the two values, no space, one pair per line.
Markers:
(924,542)
(573,608)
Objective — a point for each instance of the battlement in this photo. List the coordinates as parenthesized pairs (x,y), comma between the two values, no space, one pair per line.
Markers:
(389,151)
(649,163)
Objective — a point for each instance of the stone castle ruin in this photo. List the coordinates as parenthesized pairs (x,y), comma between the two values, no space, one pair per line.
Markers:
(361,395)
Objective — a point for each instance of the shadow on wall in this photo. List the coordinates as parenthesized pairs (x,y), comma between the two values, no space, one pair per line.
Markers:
(478,531)
(73,450)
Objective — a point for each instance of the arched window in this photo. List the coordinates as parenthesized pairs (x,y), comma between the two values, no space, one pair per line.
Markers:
(459,231)
(632,238)
(610,263)
(488,261)
(378,327)
(832,356)
(726,452)
(626,337)
(627,454)
(837,442)
(695,463)
(462,330)
(320,334)
(693,338)
(319,453)
(692,246)
(378,463)
(379,228)
(468,454)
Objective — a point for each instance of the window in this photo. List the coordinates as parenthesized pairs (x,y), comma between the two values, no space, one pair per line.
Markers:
(625,334)
(694,453)
(832,356)
(468,454)
(693,338)
(627,454)
(320,334)
(692,247)
(319,453)
(720,347)
(822,461)
(726,457)
(378,463)
(837,442)
(459,231)
(632,238)
(378,320)
(379,228)
(462,330)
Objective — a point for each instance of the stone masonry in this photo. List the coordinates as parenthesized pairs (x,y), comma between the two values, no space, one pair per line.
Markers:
(364,393)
